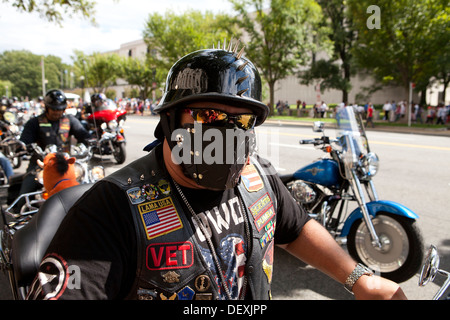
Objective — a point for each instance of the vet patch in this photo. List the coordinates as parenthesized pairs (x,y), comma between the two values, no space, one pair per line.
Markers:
(173,255)
(159,217)
(251,179)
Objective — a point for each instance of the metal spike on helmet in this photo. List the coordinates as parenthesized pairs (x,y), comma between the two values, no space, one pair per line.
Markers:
(231,49)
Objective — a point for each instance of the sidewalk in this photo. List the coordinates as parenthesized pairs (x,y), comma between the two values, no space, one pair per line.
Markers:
(378,127)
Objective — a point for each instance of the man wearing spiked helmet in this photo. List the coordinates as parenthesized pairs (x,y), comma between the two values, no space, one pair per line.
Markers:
(198,217)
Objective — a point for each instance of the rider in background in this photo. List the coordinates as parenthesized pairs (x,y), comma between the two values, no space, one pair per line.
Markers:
(51,127)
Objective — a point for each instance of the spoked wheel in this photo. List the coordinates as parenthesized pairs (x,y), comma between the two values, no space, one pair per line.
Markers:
(402,250)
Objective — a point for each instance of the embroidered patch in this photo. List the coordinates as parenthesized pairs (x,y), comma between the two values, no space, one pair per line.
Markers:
(264,218)
(52,279)
(268,262)
(268,236)
(135,195)
(146,294)
(149,192)
(251,178)
(159,217)
(164,187)
(173,255)
(186,293)
(261,205)
(262,211)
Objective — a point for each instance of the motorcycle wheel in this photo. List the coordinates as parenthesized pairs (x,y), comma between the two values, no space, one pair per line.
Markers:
(402,251)
(120,153)
(16,162)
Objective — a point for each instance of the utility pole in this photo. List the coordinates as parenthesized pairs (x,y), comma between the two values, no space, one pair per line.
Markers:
(43,76)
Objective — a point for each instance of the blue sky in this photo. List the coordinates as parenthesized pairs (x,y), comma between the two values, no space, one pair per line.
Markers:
(118,22)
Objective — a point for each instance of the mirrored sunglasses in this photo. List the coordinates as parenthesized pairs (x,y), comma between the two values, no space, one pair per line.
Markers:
(216,117)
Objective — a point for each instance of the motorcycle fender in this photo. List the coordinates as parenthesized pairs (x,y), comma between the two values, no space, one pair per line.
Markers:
(120,138)
(378,206)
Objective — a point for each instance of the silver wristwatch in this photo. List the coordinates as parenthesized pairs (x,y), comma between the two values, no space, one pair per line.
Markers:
(359,271)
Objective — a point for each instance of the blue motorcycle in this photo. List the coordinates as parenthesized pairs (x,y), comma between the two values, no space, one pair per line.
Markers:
(381,234)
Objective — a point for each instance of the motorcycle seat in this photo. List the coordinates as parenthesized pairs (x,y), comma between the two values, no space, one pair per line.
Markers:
(31,242)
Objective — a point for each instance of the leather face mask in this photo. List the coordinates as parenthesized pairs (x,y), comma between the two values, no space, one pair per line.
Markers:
(214,157)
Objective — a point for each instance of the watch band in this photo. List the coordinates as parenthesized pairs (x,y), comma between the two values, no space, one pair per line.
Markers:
(359,271)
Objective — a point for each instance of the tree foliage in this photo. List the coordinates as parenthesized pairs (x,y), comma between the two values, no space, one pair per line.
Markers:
(99,70)
(281,34)
(56,10)
(23,69)
(335,72)
(173,36)
(413,36)
(142,74)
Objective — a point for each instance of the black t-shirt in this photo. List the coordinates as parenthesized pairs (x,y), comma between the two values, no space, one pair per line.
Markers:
(96,242)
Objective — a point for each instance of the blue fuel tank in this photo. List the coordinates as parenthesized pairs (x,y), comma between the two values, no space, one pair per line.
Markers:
(324,172)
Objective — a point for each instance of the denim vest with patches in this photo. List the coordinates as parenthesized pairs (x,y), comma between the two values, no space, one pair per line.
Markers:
(169,263)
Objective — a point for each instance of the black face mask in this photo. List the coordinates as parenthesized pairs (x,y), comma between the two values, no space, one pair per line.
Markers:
(212,156)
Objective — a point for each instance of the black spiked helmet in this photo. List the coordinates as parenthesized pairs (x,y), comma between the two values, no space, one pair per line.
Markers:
(218,75)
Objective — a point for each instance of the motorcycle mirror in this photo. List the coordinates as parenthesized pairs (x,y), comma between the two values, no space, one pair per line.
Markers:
(430,267)
(318,126)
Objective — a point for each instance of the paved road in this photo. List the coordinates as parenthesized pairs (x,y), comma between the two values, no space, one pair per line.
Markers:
(414,171)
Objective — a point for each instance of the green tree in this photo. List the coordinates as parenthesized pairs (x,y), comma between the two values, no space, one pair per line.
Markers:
(56,10)
(412,34)
(335,72)
(23,69)
(172,36)
(281,34)
(141,74)
(100,71)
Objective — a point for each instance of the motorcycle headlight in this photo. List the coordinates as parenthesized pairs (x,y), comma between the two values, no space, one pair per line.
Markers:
(112,124)
(372,164)
(79,172)
(97,173)
(302,192)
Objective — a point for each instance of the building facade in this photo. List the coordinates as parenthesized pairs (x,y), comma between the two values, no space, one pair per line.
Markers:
(291,90)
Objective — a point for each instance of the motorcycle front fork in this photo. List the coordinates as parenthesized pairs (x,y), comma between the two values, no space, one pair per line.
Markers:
(359,195)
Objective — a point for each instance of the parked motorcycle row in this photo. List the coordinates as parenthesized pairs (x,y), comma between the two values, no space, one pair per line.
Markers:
(337,190)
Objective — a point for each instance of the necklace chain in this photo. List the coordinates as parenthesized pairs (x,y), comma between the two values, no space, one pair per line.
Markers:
(210,244)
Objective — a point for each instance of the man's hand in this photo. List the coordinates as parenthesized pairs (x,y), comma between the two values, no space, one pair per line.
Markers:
(377,288)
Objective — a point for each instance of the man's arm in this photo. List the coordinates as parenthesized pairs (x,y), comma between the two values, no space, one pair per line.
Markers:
(316,247)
